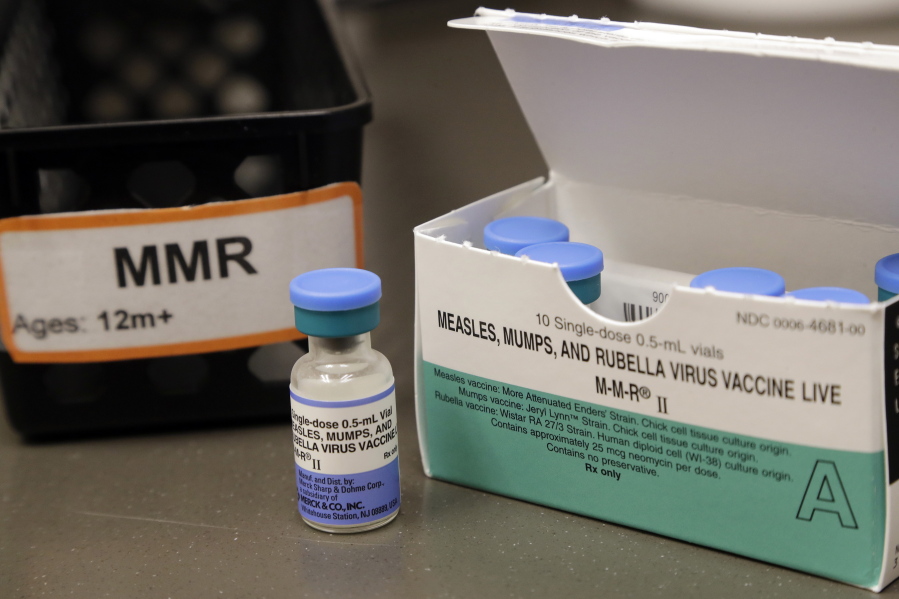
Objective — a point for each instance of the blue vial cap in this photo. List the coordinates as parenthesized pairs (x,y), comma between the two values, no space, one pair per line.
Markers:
(886,273)
(508,235)
(580,263)
(742,279)
(832,294)
(336,302)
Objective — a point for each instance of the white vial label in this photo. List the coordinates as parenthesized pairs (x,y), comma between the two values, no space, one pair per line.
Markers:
(346,455)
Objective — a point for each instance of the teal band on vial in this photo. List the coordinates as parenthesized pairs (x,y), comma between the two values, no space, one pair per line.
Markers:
(883,295)
(340,323)
(587,290)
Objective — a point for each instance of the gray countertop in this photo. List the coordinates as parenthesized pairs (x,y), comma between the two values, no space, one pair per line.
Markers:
(212,513)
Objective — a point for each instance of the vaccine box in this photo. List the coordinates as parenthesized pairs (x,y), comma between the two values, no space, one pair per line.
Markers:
(761,426)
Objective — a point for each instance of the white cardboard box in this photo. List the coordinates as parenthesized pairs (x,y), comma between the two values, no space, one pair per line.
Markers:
(760,426)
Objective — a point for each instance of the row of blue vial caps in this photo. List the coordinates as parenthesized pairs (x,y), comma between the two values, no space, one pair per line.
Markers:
(546,240)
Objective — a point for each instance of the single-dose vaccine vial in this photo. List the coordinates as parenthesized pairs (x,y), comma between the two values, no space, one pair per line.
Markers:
(343,405)
(509,235)
(830,294)
(580,263)
(886,275)
(742,279)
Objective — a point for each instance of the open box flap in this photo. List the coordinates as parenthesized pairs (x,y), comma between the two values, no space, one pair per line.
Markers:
(812,128)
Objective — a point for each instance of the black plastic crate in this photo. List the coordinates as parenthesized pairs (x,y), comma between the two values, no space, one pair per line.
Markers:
(150,104)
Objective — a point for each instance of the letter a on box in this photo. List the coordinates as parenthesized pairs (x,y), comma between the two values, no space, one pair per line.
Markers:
(825,493)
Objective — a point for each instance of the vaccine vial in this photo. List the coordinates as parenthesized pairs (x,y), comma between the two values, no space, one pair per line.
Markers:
(742,279)
(886,275)
(343,405)
(509,235)
(580,263)
(830,294)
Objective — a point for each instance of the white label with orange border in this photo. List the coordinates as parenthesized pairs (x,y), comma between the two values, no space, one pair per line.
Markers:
(122,284)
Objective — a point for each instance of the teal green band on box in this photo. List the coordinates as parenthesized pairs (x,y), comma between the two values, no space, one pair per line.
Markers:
(587,290)
(883,295)
(341,323)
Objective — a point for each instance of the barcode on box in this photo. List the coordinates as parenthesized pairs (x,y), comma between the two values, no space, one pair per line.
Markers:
(635,312)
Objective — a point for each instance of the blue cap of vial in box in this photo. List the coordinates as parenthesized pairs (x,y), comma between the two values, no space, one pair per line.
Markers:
(508,235)
(886,273)
(336,302)
(830,294)
(580,263)
(742,279)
